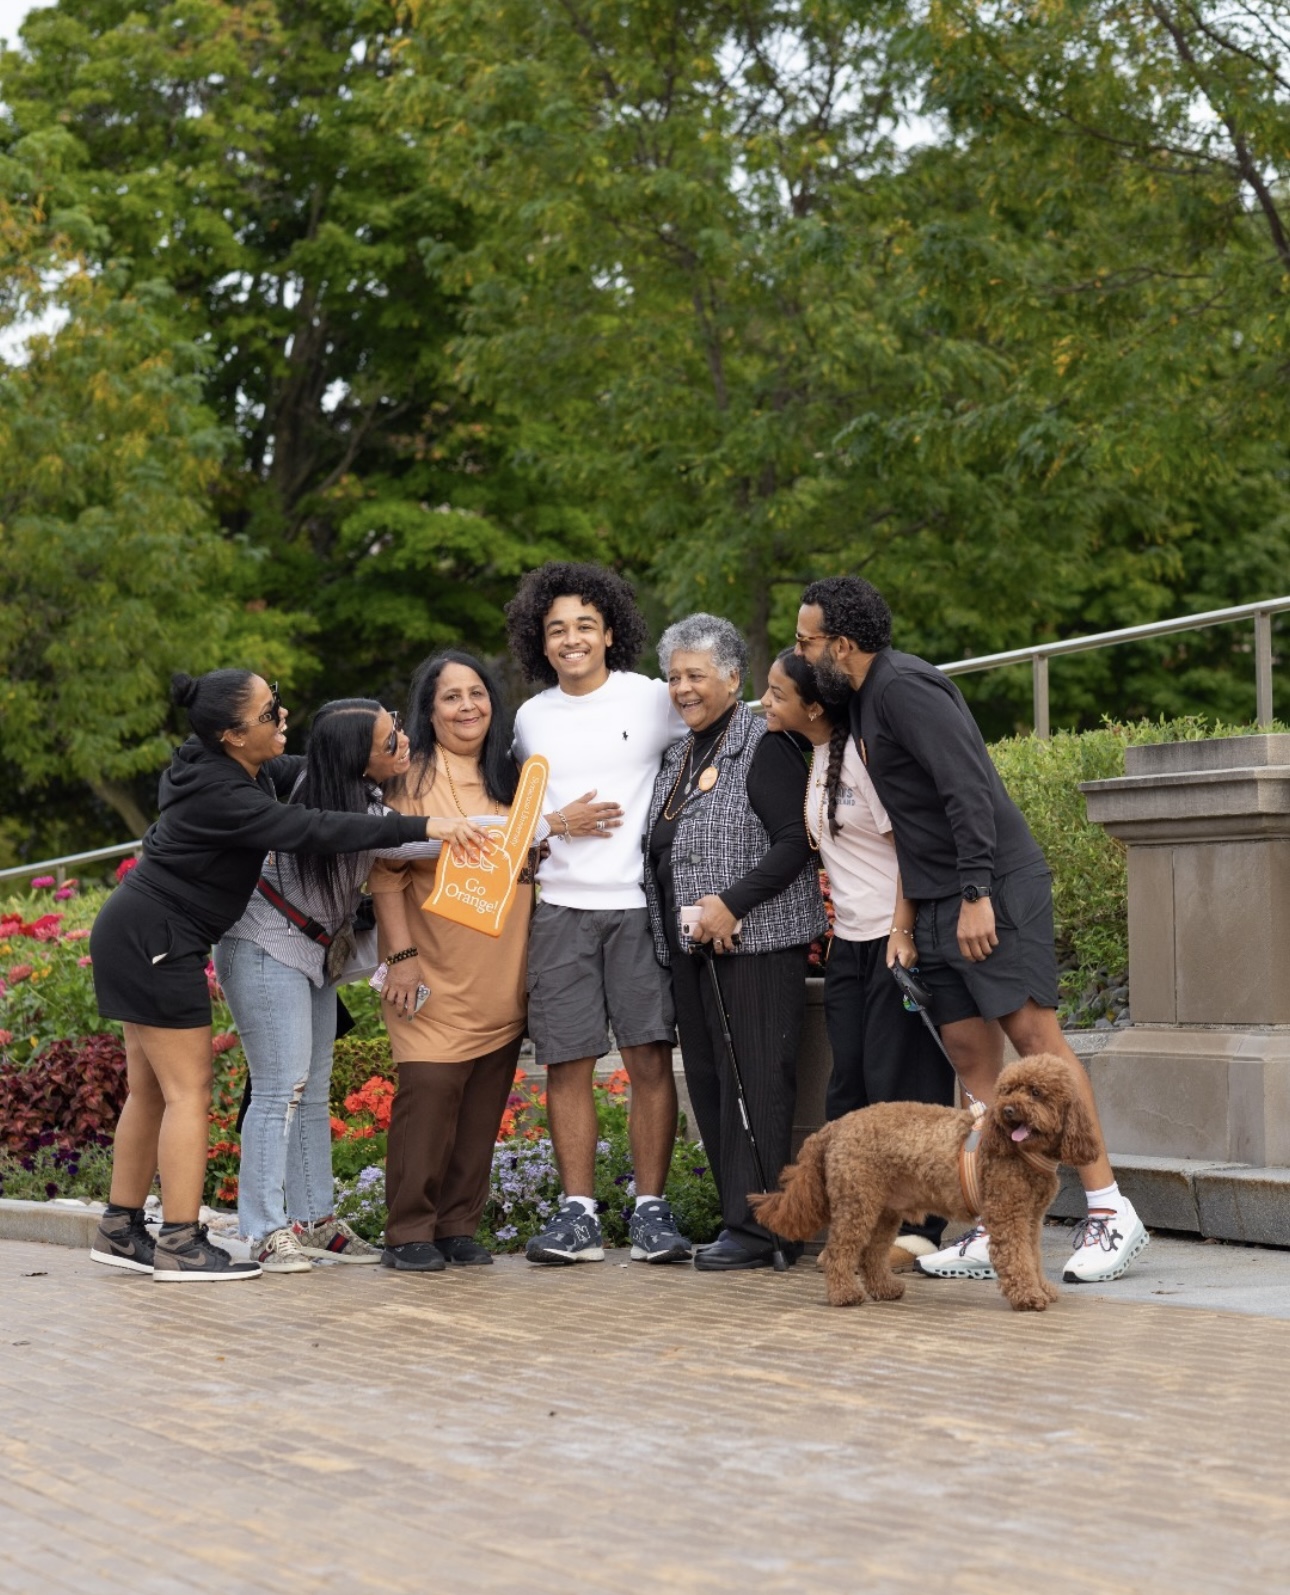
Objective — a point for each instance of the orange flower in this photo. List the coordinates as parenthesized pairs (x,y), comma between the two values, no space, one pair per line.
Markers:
(338,1128)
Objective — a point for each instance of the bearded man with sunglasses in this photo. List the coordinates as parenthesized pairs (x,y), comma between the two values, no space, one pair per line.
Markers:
(984,931)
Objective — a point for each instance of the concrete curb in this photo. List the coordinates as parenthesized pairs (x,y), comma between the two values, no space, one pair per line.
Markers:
(1218,1201)
(55,1223)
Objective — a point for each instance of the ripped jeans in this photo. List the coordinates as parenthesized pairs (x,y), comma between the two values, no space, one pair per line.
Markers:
(288,1029)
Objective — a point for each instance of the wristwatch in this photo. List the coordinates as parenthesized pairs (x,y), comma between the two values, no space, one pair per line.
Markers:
(972,894)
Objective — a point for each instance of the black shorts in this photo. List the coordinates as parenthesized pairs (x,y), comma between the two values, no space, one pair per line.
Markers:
(149,962)
(1023,966)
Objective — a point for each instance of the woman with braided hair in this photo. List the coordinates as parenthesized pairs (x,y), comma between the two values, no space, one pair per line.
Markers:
(880,1052)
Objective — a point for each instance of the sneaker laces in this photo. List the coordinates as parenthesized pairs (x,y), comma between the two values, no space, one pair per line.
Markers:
(1093,1231)
(976,1233)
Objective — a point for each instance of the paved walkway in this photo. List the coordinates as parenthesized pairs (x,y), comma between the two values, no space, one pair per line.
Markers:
(618,1428)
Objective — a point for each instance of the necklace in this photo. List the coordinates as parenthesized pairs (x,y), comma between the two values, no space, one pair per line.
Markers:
(706,779)
(452,785)
(816,839)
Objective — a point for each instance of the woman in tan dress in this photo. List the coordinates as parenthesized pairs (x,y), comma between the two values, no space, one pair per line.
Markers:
(457,1054)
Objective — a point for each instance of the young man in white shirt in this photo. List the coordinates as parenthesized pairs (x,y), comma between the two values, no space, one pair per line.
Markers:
(603,729)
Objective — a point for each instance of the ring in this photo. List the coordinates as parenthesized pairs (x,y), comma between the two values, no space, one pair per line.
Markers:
(600,825)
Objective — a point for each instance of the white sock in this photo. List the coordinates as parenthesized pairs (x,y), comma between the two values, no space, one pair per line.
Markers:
(1108,1199)
(586,1203)
(641,1199)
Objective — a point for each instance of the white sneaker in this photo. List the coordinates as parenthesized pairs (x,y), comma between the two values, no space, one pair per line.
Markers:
(281,1253)
(1105,1246)
(966,1258)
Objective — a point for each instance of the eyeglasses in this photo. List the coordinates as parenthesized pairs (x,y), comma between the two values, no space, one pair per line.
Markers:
(274,712)
(396,725)
(801,637)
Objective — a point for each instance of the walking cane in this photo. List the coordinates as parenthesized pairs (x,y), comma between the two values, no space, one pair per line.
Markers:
(778,1260)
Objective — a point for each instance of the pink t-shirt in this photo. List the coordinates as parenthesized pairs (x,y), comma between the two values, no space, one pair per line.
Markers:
(861,859)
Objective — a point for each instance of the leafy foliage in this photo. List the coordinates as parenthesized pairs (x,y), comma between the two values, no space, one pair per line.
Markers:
(67,1098)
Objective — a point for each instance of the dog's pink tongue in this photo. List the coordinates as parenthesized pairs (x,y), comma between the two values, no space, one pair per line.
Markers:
(1021,1132)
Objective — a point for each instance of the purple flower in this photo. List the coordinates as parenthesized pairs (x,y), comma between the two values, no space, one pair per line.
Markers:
(508,1232)
(51,1190)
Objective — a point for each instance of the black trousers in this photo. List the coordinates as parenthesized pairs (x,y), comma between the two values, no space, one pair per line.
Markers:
(765,996)
(881,1053)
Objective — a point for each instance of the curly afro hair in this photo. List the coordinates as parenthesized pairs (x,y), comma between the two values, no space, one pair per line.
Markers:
(592,584)
(852,607)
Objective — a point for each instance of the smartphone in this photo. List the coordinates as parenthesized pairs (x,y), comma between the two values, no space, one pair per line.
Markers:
(377,982)
(690,918)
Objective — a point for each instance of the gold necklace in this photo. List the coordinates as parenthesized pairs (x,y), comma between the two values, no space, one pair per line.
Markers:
(707,777)
(806,817)
(452,785)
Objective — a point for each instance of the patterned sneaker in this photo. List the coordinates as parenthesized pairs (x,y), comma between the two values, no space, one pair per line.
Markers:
(186,1254)
(124,1241)
(655,1237)
(967,1258)
(1105,1245)
(280,1252)
(572,1236)
(332,1237)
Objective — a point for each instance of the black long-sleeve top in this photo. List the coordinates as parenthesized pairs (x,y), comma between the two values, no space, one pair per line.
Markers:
(205,852)
(953,822)
(776,786)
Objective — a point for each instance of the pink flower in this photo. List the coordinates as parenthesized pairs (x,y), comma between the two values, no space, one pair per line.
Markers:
(76,935)
(41,882)
(224,1043)
(125,866)
(6,1036)
(20,972)
(64,892)
(84,963)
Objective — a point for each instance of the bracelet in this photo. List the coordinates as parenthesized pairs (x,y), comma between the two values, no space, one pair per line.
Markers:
(564,820)
(899,930)
(397,958)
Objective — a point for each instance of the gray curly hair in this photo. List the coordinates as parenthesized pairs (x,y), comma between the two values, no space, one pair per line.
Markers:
(708,634)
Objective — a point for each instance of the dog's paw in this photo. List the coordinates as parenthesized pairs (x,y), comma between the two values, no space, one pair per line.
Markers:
(891,1289)
(1051,1290)
(1030,1301)
(845,1295)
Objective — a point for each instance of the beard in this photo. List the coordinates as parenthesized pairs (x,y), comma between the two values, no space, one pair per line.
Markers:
(834,684)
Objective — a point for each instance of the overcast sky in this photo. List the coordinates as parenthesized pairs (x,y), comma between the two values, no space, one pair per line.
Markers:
(11,14)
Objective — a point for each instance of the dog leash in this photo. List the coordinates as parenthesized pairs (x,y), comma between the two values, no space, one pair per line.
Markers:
(917,997)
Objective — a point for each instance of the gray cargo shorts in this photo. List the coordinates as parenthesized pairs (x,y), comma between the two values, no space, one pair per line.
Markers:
(590,968)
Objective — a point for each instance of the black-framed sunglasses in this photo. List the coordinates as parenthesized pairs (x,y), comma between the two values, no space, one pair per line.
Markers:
(392,741)
(274,712)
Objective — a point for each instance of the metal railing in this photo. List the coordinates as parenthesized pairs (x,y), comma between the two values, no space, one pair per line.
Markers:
(58,867)
(1039,655)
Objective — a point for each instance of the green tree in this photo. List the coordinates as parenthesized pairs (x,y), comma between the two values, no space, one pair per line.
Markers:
(244,155)
(112,570)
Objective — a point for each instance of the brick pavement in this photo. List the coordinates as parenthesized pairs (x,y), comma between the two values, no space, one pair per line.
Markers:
(617,1428)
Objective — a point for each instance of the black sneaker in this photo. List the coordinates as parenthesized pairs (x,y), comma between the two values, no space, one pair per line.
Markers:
(124,1241)
(655,1237)
(464,1249)
(187,1254)
(414,1257)
(572,1236)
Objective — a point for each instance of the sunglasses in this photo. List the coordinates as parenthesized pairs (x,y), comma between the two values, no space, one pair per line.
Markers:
(392,741)
(803,637)
(273,713)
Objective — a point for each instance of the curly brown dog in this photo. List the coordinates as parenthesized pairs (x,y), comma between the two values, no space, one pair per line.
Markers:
(866,1173)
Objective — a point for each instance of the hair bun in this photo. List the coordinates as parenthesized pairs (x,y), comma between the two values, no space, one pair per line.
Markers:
(183,689)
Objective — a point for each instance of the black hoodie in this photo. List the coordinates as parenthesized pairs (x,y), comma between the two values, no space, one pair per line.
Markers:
(206,850)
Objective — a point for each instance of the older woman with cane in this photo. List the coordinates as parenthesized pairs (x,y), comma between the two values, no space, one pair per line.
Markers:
(727,855)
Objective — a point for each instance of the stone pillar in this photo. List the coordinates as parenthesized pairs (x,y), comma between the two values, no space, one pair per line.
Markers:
(1203,1071)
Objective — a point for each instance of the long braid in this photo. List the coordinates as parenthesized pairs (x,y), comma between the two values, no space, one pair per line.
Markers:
(833,775)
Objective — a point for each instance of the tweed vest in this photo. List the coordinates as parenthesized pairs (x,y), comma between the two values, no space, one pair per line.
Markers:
(719,838)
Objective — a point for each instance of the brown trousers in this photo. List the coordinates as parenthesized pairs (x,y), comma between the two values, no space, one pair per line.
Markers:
(443,1127)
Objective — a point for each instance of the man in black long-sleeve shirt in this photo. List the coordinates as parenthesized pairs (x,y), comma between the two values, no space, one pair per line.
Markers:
(984,934)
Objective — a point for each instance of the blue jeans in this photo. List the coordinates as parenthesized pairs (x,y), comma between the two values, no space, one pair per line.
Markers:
(288,1029)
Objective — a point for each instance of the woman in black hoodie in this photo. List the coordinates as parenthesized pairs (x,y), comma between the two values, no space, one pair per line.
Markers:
(220,814)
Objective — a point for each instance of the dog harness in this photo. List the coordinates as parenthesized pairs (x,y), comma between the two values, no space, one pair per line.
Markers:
(969,1151)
